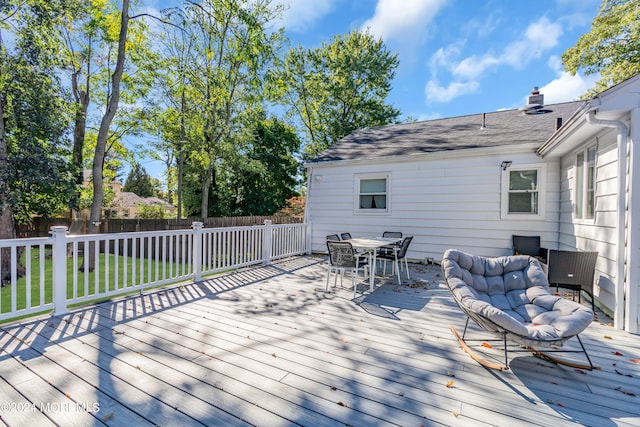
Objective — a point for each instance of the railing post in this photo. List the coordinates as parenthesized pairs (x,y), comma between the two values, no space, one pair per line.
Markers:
(59,256)
(308,237)
(266,249)
(197,251)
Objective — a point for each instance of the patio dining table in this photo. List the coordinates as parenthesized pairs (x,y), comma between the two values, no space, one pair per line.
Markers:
(370,245)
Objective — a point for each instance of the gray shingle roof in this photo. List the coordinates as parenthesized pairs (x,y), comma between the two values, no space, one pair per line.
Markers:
(506,127)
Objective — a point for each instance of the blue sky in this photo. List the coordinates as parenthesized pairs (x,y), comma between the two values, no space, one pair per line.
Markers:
(459,57)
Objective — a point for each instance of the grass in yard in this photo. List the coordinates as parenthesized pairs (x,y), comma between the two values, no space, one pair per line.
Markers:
(110,274)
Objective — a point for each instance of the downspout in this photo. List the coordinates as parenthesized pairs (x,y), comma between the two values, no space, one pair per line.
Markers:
(306,210)
(619,309)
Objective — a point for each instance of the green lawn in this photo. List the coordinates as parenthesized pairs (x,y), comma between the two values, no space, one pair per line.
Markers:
(21,285)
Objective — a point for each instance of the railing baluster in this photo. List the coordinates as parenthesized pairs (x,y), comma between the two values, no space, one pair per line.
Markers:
(141,262)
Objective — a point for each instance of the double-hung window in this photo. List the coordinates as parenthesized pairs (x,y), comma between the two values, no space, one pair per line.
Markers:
(523,194)
(372,193)
(585,179)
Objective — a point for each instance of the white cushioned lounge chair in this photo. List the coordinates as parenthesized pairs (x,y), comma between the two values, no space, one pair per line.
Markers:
(510,298)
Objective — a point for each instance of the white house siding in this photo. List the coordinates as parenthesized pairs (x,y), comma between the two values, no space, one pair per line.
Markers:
(633,244)
(599,233)
(445,200)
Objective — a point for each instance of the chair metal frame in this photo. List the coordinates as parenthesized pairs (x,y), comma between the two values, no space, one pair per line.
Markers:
(342,258)
(399,254)
(519,348)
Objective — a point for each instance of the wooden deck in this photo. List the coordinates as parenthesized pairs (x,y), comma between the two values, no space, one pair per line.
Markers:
(267,346)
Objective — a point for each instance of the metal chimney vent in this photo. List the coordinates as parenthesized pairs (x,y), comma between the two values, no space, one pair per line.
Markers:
(535,103)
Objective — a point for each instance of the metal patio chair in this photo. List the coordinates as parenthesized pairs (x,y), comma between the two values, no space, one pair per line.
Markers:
(345,236)
(397,255)
(343,258)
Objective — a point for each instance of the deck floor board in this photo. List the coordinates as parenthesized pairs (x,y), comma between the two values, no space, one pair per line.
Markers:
(267,346)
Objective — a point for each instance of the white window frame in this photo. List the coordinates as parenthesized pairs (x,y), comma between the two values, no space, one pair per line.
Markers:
(583,185)
(541,168)
(356,192)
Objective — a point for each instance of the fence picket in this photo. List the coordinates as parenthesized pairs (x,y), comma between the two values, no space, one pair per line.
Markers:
(125,262)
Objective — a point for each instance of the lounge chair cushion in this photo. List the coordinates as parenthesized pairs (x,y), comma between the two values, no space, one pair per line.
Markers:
(511,294)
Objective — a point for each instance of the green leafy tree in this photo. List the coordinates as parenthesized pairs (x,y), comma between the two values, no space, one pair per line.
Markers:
(338,88)
(215,87)
(139,182)
(34,174)
(611,48)
(266,175)
(34,151)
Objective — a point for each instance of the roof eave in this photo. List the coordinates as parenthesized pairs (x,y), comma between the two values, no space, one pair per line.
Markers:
(576,121)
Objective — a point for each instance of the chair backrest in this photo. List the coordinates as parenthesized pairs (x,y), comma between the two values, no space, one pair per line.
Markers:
(341,254)
(393,234)
(572,268)
(526,245)
(402,252)
(501,281)
(345,236)
(333,237)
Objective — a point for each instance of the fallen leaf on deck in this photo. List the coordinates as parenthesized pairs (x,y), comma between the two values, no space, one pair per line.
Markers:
(580,371)
(608,337)
(486,344)
(333,388)
(108,417)
(343,339)
(617,353)
(343,404)
(455,414)
(560,404)
(634,361)
(628,393)
(450,384)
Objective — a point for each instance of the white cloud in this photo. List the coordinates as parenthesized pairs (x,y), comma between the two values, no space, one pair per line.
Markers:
(300,15)
(404,20)
(474,66)
(435,92)
(540,37)
(441,59)
(565,87)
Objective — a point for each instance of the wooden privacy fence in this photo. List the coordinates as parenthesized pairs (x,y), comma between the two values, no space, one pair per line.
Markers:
(40,227)
(52,273)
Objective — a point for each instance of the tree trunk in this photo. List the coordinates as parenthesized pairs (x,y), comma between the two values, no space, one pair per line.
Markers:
(80,125)
(181,152)
(82,105)
(7,225)
(206,184)
(103,133)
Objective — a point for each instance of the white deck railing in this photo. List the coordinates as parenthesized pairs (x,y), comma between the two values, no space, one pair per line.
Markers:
(53,273)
